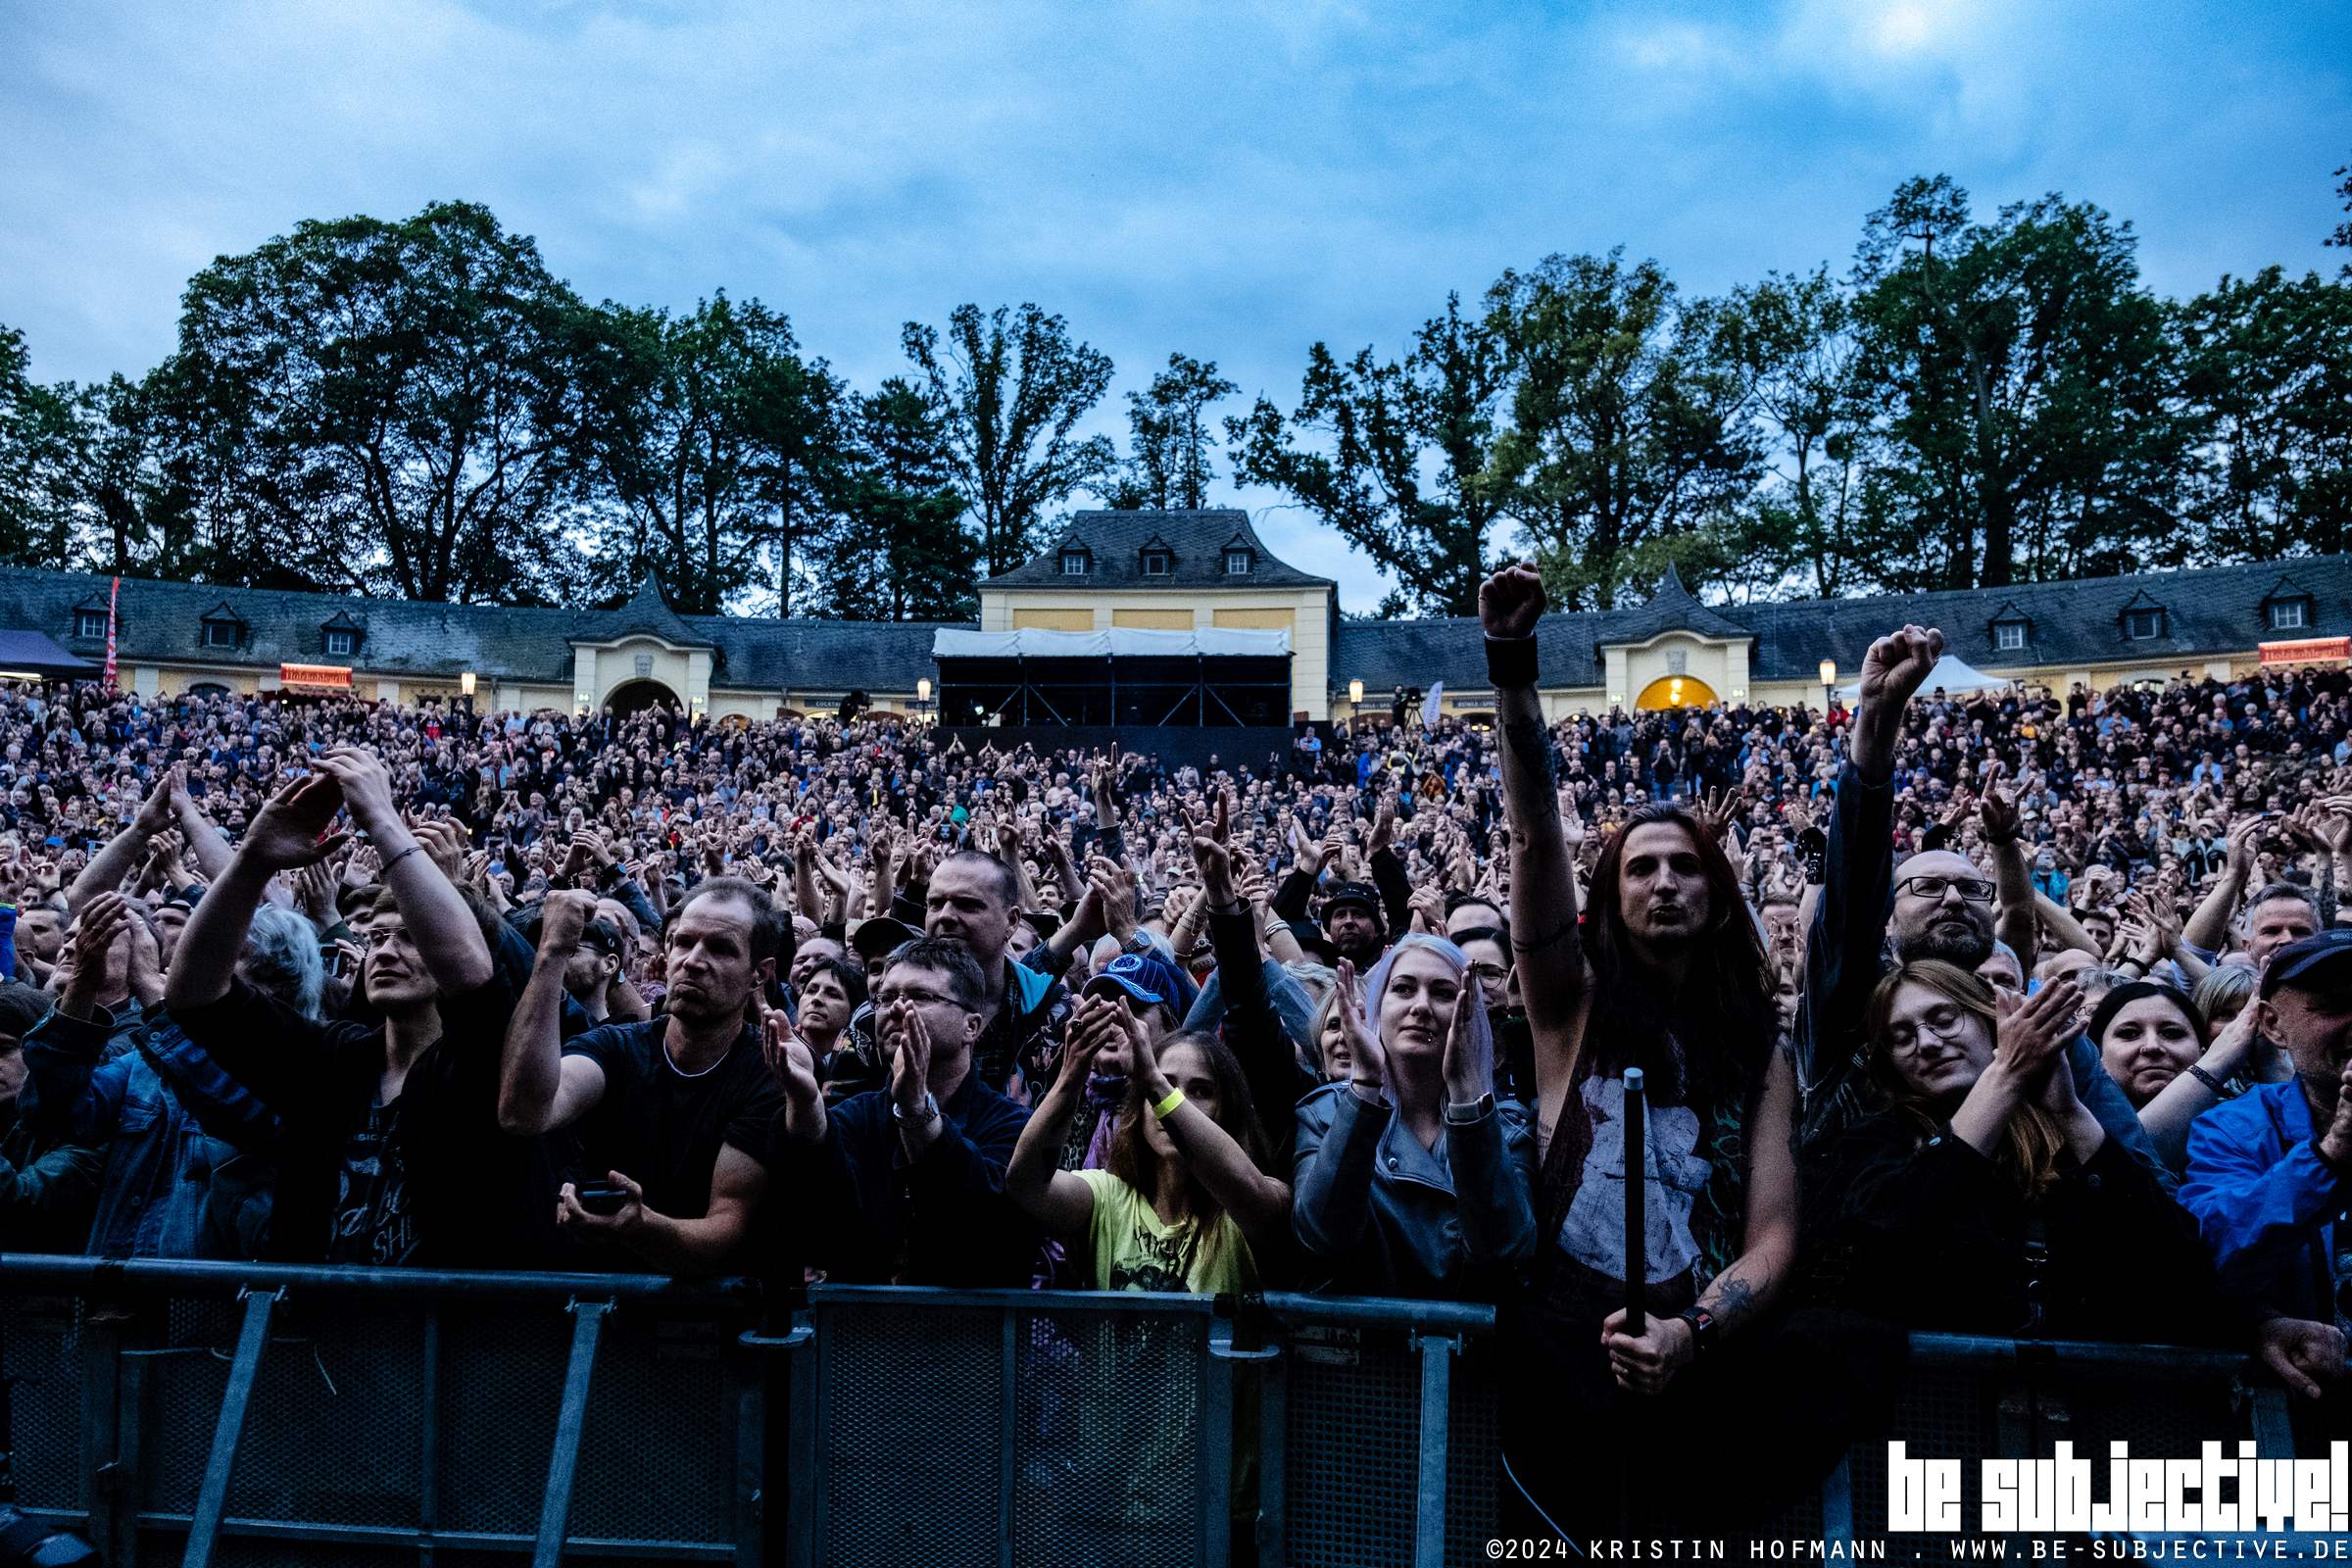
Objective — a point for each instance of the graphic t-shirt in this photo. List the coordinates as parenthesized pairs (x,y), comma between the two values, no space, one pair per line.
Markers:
(1133,1250)
(374,1225)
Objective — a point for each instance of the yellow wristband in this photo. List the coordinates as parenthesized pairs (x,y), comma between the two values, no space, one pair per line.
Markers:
(1168,1107)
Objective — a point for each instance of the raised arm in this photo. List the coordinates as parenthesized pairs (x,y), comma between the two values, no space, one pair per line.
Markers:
(283,835)
(1258,1203)
(439,921)
(116,860)
(1056,1199)
(2209,927)
(539,1088)
(1543,914)
(2015,923)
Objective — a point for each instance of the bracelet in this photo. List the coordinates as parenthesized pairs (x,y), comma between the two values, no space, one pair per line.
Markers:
(386,869)
(2197,1071)
(1168,1107)
(1510,662)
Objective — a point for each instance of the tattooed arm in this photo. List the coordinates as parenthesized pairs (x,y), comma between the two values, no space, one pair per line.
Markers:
(1543,933)
(1745,1290)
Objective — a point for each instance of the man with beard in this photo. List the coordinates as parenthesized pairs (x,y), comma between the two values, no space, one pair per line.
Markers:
(673,1111)
(1937,905)
(973,899)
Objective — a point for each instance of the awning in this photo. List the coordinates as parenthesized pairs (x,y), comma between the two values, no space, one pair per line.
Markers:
(1952,675)
(37,655)
(314,678)
(2308,651)
(1118,642)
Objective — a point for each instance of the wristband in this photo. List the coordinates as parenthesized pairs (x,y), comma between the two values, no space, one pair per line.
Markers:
(2197,1071)
(1510,662)
(386,869)
(1168,1107)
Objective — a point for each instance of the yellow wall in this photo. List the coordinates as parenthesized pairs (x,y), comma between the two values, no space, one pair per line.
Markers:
(1160,620)
(1055,619)
(1247,619)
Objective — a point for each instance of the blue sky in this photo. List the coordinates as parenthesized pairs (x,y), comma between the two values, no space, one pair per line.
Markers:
(1230,180)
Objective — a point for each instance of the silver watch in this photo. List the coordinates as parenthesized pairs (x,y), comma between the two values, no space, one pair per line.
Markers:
(930,1112)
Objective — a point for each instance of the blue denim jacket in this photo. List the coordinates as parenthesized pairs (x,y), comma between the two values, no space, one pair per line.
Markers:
(2265,1203)
(160,1161)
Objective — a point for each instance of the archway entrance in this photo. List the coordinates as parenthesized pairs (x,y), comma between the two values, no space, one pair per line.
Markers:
(1674,691)
(633,695)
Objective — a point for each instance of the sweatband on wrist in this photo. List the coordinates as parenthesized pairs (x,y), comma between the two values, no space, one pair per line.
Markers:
(1168,1107)
(1510,662)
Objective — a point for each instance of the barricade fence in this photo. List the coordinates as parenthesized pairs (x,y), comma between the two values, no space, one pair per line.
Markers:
(224,1413)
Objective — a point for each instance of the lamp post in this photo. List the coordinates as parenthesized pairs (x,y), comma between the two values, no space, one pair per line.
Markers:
(1355,704)
(1829,683)
(922,695)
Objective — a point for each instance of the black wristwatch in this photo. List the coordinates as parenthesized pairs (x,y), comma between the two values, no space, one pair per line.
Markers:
(1702,1330)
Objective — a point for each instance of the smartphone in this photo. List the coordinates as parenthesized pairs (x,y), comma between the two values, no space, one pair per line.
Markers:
(602,1199)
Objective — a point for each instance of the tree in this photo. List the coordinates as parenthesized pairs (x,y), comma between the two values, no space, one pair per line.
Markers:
(1788,340)
(717,445)
(1397,456)
(1014,386)
(1169,464)
(40,441)
(899,549)
(2269,360)
(2023,382)
(1622,427)
(385,406)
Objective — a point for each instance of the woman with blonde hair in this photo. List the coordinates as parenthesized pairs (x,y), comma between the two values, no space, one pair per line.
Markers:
(1985,1179)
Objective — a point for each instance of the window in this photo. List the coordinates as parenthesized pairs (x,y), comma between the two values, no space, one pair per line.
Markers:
(219,634)
(341,641)
(1156,562)
(2288,614)
(89,623)
(2142,625)
(1237,563)
(1073,563)
(2009,636)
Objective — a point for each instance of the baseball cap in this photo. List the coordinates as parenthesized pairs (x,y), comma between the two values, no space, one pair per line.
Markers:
(1145,976)
(880,936)
(2312,964)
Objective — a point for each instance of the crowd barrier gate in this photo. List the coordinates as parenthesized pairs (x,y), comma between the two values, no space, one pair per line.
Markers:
(232,1414)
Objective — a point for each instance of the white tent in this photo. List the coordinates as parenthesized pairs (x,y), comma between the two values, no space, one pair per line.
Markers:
(1126,642)
(1952,675)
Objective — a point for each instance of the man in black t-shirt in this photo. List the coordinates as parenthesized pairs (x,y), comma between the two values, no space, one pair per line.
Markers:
(673,1111)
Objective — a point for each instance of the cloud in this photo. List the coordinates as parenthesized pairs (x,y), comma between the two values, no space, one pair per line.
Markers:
(1231,181)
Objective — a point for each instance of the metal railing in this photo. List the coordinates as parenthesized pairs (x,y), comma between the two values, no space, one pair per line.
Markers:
(227,1413)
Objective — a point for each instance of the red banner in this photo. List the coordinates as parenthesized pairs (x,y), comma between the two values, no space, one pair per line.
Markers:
(314,678)
(2310,651)
(112,596)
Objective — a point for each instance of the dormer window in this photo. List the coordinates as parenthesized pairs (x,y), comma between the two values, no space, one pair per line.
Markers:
(219,634)
(341,641)
(2009,636)
(1073,563)
(1157,563)
(2142,625)
(2290,615)
(1239,561)
(89,623)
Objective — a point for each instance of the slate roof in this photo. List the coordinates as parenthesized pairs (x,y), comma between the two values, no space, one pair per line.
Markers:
(1116,540)
(820,655)
(2208,612)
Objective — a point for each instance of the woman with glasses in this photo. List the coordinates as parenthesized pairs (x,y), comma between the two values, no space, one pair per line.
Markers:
(1982,1197)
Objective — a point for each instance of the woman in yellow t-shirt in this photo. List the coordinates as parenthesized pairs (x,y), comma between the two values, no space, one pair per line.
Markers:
(1185,1193)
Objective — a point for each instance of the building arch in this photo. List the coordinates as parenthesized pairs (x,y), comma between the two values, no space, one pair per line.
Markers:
(1675,691)
(631,696)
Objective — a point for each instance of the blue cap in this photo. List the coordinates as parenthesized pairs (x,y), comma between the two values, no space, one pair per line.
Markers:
(2312,962)
(1145,976)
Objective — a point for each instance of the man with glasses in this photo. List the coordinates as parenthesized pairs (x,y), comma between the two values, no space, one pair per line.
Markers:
(905,1185)
(1937,905)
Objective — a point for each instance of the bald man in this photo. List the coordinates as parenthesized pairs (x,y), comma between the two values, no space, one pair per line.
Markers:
(1937,905)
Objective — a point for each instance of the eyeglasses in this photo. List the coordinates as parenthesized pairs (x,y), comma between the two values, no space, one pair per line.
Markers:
(1975,890)
(1942,1022)
(916,999)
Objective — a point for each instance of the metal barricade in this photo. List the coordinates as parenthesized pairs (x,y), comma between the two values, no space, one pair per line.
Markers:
(222,1413)
(206,1413)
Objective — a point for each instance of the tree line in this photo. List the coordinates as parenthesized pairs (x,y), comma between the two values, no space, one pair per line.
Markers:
(420,407)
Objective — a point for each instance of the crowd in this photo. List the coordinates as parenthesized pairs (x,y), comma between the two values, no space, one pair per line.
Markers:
(2019,1013)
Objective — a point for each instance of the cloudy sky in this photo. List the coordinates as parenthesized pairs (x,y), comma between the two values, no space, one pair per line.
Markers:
(1233,181)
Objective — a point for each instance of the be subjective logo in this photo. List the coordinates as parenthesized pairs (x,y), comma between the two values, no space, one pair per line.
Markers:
(2214,1493)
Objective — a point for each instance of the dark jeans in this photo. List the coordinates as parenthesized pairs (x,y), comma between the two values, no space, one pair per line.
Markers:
(1734,1438)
